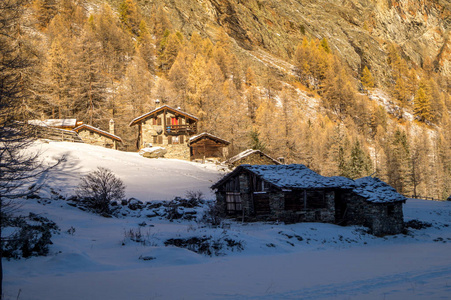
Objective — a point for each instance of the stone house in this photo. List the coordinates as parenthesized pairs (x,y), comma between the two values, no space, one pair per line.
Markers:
(294,193)
(206,146)
(166,127)
(95,136)
(251,157)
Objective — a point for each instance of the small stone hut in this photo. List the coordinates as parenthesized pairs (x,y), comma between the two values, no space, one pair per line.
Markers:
(251,157)
(206,146)
(294,193)
(166,127)
(95,136)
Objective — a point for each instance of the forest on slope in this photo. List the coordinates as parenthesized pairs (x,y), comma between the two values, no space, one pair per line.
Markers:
(256,77)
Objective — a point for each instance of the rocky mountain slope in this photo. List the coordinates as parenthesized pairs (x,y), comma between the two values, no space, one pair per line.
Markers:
(359,30)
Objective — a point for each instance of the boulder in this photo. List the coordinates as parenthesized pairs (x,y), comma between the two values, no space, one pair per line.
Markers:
(153,152)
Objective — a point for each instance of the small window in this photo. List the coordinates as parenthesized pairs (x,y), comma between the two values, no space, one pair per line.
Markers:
(160,139)
(155,139)
(233,202)
(154,121)
(159,121)
(182,139)
(168,121)
(169,140)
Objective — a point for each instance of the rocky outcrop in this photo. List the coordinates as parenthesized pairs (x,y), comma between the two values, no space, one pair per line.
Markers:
(360,31)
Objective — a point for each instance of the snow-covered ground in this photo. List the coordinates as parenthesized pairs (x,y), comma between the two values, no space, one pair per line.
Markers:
(99,260)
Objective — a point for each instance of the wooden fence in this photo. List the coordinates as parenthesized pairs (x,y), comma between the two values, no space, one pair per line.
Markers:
(425,198)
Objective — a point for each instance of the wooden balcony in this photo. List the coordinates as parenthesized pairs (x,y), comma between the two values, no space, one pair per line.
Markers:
(181,129)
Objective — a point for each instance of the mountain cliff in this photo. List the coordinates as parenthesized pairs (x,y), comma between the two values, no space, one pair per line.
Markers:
(358,31)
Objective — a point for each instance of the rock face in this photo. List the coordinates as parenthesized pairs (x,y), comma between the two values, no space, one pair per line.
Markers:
(359,30)
(153,152)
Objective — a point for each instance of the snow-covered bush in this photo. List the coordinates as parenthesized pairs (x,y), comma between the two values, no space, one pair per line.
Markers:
(30,236)
(99,188)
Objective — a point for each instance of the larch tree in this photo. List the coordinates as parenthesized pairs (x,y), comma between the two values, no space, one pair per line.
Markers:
(367,78)
(19,169)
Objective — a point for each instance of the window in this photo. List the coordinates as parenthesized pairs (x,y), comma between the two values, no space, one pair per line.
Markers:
(160,139)
(316,199)
(155,139)
(158,121)
(182,139)
(169,140)
(154,121)
(233,202)
(262,186)
(294,200)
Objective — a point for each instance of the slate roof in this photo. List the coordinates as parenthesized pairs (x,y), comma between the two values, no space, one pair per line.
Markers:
(376,191)
(298,176)
(248,152)
(294,176)
(207,135)
(54,122)
(158,109)
(99,131)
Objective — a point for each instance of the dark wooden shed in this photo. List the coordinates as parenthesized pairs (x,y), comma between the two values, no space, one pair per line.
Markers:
(206,146)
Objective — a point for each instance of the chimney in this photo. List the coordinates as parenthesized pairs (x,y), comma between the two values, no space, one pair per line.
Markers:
(111,126)
(157,103)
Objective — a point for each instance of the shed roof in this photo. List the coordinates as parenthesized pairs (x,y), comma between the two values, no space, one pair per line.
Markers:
(159,109)
(294,176)
(375,190)
(54,122)
(207,135)
(97,130)
(248,152)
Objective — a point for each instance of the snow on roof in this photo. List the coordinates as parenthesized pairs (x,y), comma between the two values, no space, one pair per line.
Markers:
(294,176)
(144,116)
(100,131)
(376,191)
(247,153)
(54,122)
(206,134)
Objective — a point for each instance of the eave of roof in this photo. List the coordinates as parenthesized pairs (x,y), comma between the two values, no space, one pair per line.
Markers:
(99,131)
(207,135)
(156,110)
(295,176)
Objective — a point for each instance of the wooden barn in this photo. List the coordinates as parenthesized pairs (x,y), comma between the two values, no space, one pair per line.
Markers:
(251,157)
(206,146)
(95,136)
(167,127)
(294,193)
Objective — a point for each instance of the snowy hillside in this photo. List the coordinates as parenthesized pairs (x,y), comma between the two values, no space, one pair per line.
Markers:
(141,254)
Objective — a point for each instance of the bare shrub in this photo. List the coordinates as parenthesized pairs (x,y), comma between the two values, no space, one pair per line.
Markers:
(98,188)
(213,215)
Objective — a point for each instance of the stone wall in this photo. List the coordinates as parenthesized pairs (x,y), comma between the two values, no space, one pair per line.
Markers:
(326,215)
(177,151)
(93,138)
(381,218)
